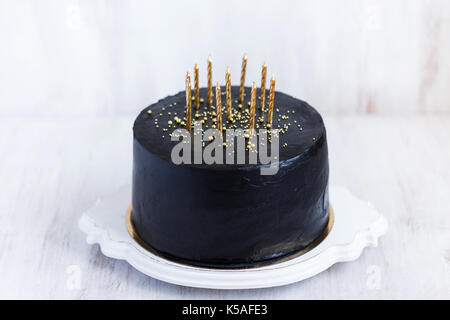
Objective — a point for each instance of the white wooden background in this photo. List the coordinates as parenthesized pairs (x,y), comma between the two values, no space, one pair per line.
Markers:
(90,57)
(73,75)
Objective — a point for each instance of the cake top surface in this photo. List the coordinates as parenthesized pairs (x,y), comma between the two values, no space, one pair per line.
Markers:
(300,126)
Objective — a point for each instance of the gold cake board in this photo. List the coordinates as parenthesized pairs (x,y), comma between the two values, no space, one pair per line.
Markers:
(133,233)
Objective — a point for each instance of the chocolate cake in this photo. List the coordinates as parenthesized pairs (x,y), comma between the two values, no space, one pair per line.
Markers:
(230,215)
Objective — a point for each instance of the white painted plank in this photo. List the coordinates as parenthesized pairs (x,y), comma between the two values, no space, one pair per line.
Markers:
(114,57)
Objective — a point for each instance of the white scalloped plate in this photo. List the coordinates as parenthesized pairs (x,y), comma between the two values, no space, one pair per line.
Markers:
(356,225)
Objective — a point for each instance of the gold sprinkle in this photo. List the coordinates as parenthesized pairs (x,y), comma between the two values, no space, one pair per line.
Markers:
(149,111)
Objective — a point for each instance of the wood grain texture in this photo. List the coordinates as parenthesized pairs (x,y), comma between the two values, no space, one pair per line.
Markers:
(107,57)
(52,169)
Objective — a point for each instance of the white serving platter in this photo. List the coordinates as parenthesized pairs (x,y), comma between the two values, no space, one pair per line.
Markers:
(356,225)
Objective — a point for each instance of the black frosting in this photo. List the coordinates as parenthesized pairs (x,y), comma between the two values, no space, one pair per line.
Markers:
(230,215)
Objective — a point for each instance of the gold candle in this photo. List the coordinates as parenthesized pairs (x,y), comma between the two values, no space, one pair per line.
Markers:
(262,93)
(219,107)
(252,108)
(242,86)
(210,95)
(196,88)
(188,102)
(271,101)
(228,91)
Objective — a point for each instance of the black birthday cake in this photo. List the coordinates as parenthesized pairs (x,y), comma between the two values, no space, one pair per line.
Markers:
(229,214)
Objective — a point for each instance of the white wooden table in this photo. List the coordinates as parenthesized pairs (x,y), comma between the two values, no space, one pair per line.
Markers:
(52,169)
